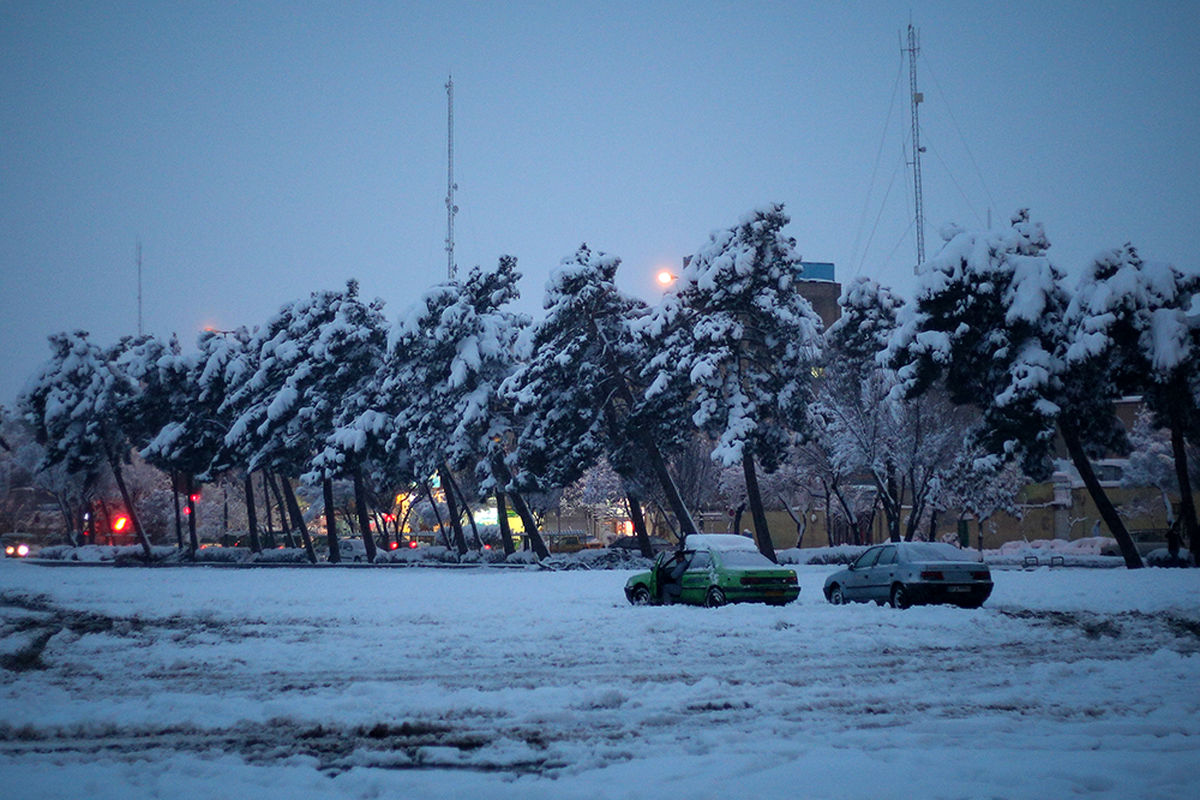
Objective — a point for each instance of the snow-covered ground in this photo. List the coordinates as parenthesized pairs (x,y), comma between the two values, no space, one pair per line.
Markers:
(412,683)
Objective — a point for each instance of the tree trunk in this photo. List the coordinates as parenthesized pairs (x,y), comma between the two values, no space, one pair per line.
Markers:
(466,508)
(437,515)
(531,531)
(505,531)
(800,521)
(1187,507)
(178,515)
(193,540)
(283,511)
(137,523)
(1107,512)
(364,517)
(828,515)
(460,542)
(252,516)
(675,500)
(381,525)
(267,503)
(108,526)
(503,478)
(892,505)
(639,525)
(657,463)
(737,518)
(762,532)
(331,537)
(298,519)
(914,516)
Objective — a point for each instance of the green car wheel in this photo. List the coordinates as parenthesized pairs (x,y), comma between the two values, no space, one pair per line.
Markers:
(640,596)
(714,597)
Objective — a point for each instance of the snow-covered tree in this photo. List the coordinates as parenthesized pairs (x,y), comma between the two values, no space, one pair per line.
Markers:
(308,356)
(989,323)
(976,485)
(1152,463)
(347,360)
(906,445)
(78,404)
(452,351)
(854,416)
(578,395)
(193,388)
(743,341)
(1129,323)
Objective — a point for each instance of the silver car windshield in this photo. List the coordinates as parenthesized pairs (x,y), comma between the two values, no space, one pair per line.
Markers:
(745,559)
(935,551)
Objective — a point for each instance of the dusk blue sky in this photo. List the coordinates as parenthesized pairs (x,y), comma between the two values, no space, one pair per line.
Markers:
(261,151)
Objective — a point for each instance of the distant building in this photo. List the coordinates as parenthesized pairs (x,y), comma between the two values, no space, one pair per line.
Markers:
(818,286)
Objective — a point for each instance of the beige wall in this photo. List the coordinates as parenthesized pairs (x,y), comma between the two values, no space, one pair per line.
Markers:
(1141,509)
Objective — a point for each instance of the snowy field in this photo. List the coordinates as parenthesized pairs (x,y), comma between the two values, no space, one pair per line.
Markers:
(414,683)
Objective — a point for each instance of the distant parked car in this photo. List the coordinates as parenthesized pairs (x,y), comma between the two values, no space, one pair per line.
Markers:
(711,570)
(17,545)
(912,573)
(657,544)
(352,549)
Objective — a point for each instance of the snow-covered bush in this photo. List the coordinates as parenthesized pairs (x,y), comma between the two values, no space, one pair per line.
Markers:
(432,553)
(841,554)
(97,553)
(223,555)
(1162,558)
(482,557)
(605,558)
(283,555)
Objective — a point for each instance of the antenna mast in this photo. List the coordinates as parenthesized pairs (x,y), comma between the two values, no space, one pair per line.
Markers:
(139,279)
(451,209)
(913,48)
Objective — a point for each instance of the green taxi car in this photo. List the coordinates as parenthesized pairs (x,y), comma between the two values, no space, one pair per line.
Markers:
(711,570)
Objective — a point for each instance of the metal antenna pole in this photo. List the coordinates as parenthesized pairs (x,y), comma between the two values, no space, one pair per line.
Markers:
(451,209)
(913,48)
(139,281)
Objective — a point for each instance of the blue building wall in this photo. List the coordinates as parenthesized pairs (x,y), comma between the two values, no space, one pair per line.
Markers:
(817,271)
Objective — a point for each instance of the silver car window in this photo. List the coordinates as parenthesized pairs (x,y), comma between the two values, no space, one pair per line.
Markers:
(867,559)
(886,556)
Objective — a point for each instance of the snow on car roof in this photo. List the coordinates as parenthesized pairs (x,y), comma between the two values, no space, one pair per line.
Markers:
(935,551)
(719,541)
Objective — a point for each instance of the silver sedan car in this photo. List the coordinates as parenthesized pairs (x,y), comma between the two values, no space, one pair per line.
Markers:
(910,573)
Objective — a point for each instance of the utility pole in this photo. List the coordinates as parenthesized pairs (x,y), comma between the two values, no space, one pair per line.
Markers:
(451,209)
(913,48)
(139,285)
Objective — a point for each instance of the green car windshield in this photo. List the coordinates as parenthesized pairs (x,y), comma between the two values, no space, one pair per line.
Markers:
(746,559)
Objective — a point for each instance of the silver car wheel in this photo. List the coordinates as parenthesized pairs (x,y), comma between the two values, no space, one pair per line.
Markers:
(837,596)
(900,596)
